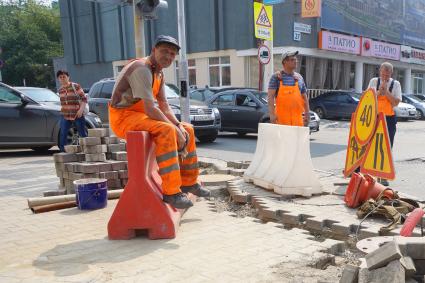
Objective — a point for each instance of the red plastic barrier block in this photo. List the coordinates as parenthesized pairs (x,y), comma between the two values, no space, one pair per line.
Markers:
(140,206)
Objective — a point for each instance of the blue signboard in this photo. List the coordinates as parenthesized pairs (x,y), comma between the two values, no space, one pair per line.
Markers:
(271,2)
(396,21)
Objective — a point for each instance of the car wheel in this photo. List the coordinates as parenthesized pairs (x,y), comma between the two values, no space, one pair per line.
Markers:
(41,148)
(208,138)
(320,112)
(241,134)
(420,115)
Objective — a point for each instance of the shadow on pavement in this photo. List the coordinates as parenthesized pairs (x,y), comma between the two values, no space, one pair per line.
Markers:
(76,258)
(21,153)
(323,149)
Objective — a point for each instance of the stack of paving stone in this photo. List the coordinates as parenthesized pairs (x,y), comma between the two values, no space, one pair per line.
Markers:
(401,260)
(97,156)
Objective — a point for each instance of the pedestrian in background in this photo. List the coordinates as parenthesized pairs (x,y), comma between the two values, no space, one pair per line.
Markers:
(73,102)
(287,94)
(388,91)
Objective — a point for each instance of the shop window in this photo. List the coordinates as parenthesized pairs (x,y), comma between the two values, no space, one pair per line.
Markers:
(418,80)
(191,65)
(219,71)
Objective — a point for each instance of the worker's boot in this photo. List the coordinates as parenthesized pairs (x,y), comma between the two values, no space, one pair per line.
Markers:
(197,190)
(178,200)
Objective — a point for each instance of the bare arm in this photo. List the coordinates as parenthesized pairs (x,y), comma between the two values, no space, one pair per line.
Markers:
(271,101)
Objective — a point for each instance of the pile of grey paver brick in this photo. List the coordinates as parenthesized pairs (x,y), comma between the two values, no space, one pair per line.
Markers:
(400,260)
(97,156)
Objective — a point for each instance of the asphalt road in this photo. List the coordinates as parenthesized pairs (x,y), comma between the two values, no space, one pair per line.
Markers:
(328,149)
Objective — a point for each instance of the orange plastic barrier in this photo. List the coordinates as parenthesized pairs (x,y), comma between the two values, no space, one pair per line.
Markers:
(140,206)
(361,188)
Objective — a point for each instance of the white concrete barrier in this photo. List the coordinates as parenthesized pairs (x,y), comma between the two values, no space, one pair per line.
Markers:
(282,161)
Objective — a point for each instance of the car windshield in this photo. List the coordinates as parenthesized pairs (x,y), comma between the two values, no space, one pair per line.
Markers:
(413,99)
(40,94)
(262,96)
(170,93)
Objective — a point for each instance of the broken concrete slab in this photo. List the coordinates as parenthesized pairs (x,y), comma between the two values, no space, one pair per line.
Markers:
(392,273)
(350,274)
(384,255)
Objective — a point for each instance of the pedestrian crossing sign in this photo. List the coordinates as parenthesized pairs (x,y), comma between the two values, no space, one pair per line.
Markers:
(263,21)
(378,160)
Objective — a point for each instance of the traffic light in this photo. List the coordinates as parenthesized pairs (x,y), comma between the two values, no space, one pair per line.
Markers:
(148,8)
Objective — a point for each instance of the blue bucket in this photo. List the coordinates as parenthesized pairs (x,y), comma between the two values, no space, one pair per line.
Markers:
(91,193)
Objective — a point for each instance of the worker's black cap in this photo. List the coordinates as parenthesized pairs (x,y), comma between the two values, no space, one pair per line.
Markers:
(167,39)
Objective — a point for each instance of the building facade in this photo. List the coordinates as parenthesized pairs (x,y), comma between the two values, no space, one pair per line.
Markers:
(341,50)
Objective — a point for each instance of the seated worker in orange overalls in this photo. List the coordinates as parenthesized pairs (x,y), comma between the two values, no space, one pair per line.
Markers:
(287,89)
(133,108)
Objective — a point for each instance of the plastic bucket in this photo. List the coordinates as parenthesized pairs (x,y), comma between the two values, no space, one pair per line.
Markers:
(91,193)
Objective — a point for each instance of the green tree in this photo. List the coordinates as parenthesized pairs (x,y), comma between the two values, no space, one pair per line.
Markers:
(30,36)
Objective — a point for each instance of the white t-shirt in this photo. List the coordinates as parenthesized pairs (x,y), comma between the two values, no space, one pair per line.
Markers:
(396,93)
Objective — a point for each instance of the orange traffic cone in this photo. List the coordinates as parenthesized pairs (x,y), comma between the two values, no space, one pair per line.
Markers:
(362,188)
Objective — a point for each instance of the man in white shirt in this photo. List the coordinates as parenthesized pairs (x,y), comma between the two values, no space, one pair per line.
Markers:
(388,91)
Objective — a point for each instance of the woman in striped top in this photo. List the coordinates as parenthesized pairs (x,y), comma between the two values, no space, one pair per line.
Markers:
(73,101)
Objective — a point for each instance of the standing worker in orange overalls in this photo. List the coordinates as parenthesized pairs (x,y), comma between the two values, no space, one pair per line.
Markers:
(133,108)
(388,91)
(287,98)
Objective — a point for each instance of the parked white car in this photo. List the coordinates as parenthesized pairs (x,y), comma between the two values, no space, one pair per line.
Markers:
(405,111)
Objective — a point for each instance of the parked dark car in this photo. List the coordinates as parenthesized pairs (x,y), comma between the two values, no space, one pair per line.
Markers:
(30,118)
(242,109)
(204,94)
(335,104)
(205,120)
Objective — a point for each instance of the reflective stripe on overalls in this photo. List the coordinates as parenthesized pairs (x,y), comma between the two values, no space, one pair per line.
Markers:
(289,105)
(164,135)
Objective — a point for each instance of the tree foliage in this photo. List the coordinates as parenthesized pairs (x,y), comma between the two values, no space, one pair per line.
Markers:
(30,36)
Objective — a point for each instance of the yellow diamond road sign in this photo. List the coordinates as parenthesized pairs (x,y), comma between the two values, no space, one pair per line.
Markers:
(378,160)
(365,117)
(263,21)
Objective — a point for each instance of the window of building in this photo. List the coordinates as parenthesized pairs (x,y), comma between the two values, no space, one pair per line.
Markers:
(191,65)
(219,70)
(418,80)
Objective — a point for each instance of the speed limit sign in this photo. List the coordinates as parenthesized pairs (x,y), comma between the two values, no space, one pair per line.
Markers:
(264,54)
(365,117)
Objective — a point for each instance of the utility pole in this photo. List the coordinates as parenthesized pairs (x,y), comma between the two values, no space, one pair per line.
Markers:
(139,31)
(183,65)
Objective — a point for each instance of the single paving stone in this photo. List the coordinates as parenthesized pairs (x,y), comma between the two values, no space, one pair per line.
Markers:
(123,174)
(72,148)
(392,273)
(89,141)
(109,175)
(91,149)
(95,157)
(408,265)
(65,157)
(98,132)
(119,155)
(110,140)
(384,255)
(118,165)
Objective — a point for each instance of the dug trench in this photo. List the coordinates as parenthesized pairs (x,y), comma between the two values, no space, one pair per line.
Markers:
(322,267)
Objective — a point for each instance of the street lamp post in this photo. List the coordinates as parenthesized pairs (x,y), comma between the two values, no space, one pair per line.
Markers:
(183,65)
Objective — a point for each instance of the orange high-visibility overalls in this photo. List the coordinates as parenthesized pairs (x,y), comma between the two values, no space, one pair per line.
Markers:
(385,106)
(173,171)
(289,105)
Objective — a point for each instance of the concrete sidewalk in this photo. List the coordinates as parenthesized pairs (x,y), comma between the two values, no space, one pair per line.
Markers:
(72,245)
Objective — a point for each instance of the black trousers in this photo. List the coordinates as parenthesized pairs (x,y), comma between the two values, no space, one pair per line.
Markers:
(392,127)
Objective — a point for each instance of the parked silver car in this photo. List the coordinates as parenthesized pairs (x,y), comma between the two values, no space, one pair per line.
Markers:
(419,104)
(404,111)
